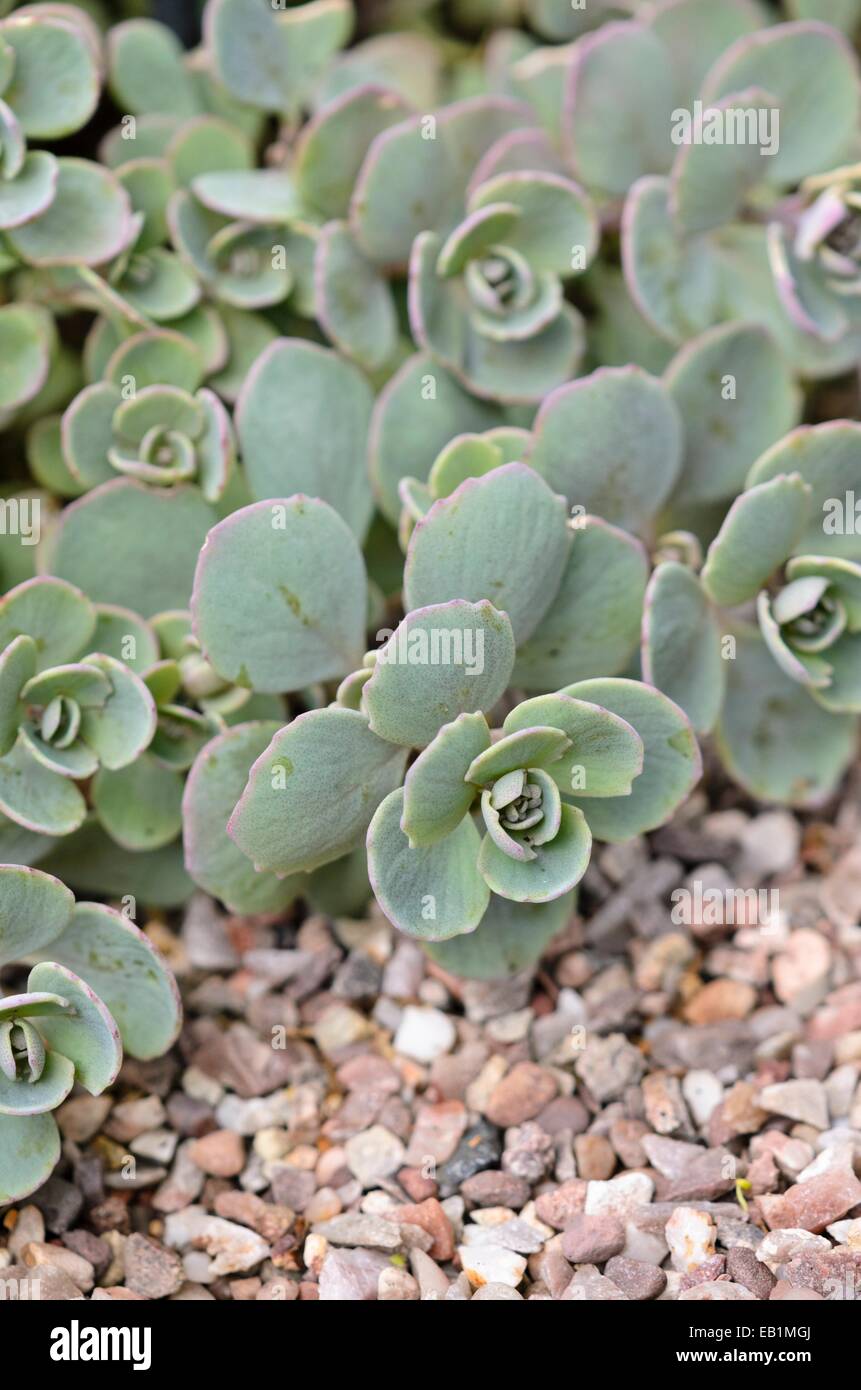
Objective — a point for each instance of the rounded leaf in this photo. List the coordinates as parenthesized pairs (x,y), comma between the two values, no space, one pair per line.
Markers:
(354,302)
(29,1152)
(132,545)
(762,528)
(826,457)
(34,909)
(736,396)
(775,741)
(671,758)
(557,866)
(436,793)
(90,1039)
(510,938)
(593,625)
(302,419)
(605,755)
(124,725)
(449,659)
(56,80)
(35,797)
(501,537)
(611,443)
(431,892)
(17,665)
(311,794)
(279,595)
(147,72)
(215,783)
(59,618)
(37,1097)
(139,805)
(681,651)
(88,221)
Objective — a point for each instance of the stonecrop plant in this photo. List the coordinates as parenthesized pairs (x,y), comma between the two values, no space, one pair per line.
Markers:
(420,431)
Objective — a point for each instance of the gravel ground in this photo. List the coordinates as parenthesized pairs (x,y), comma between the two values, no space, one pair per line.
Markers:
(669,1108)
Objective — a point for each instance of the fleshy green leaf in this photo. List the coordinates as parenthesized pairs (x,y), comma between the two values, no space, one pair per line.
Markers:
(593,624)
(25,347)
(36,798)
(436,794)
(681,652)
(354,302)
(556,868)
(617,110)
(826,457)
(279,595)
(37,1097)
(87,223)
(432,892)
(302,420)
(762,528)
(442,661)
(611,443)
(311,795)
(419,410)
(533,746)
(139,805)
(502,537)
(125,724)
(55,80)
(773,738)
(331,147)
(58,617)
(214,785)
(131,979)
(147,73)
(34,909)
(736,396)
(605,754)
(90,1039)
(671,761)
(132,545)
(29,1151)
(17,664)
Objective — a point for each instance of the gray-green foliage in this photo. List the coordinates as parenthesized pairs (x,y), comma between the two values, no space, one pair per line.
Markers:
(406,462)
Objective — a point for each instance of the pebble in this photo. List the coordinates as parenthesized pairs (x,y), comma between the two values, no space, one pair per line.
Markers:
(804,1100)
(813,1205)
(520,1095)
(424,1034)
(608,1065)
(690,1235)
(351,1276)
(529,1152)
(620,1196)
(234,1248)
(491,1264)
(150,1269)
(82,1117)
(373,1155)
(777,1248)
(719,1291)
(49,1284)
(132,1117)
(221,1153)
(496,1293)
(640,1281)
(719,1001)
(352,1228)
(397,1286)
(590,1286)
(493,1188)
(593,1239)
(743,1267)
(664,1104)
(800,972)
(595,1157)
(437,1133)
(479,1148)
(430,1217)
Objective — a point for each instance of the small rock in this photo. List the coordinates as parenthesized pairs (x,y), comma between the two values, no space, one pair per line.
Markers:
(609,1065)
(720,1292)
(743,1267)
(593,1239)
(493,1188)
(437,1133)
(640,1281)
(428,1215)
(803,1100)
(234,1248)
(373,1155)
(813,1205)
(351,1275)
(595,1157)
(558,1208)
(589,1286)
(353,1228)
(397,1286)
(79,1119)
(424,1034)
(496,1293)
(720,1000)
(151,1270)
(690,1235)
(520,1095)
(665,1108)
(491,1264)
(222,1153)
(620,1196)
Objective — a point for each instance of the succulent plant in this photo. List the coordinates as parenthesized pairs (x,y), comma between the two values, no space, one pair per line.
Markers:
(417,433)
(96,985)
